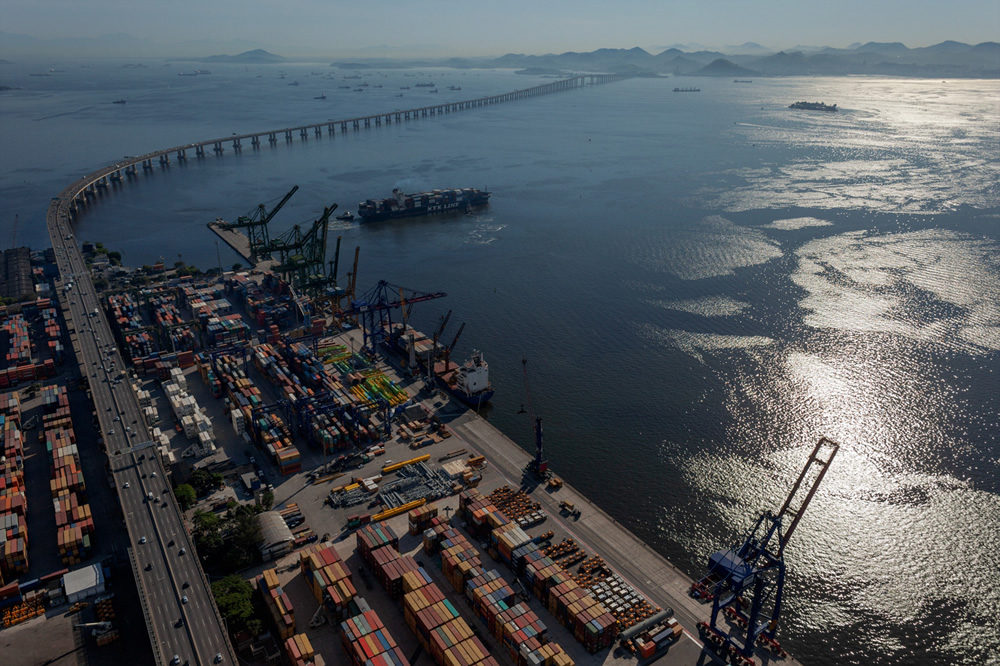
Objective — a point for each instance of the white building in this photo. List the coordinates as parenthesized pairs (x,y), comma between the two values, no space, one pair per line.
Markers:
(82,583)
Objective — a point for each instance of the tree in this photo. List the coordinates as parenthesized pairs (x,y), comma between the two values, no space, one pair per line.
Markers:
(204,482)
(228,544)
(186,495)
(255,626)
(205,522)
(267,500)
(233,596)
(237,266)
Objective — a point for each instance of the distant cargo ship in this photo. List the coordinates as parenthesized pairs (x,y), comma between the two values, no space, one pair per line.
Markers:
(424,85)
(119,101)
(422,203)
(813,106)
(742,81)
(687,89)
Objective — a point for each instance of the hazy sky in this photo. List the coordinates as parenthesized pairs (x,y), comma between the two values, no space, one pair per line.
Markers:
(494,27)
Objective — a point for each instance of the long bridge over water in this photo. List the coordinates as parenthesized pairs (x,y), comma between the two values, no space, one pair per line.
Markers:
(200,632)
(74,197)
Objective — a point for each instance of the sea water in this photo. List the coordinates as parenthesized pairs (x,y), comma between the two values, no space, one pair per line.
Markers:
(704,284)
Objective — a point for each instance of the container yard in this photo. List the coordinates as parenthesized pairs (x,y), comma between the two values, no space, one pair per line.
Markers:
(437,549)
(475,567)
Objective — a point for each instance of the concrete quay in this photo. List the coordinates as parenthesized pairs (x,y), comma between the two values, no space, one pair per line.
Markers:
(595,531)
(239,242)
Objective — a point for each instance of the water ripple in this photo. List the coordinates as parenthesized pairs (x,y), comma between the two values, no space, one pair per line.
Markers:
(713,247)
(912,284)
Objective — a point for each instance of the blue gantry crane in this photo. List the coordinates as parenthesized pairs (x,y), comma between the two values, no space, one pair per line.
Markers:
(745,583)
(375,308)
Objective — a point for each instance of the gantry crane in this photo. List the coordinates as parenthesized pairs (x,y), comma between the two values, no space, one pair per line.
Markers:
(539,466)
(255,223)
(376,306)
(757,567)
(302,256)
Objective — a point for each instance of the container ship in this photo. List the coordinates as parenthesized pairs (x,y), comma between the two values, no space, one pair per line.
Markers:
(422,203)
(469,382)
(813,106)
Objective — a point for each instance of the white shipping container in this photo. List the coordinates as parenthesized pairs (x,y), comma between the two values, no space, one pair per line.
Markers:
(190,431)
(239,424)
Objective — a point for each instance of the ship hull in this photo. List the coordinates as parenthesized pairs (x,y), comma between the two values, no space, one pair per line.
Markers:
(452,201)
(475,400)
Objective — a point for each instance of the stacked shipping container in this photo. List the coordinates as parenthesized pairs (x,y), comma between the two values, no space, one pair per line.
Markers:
(53,333)
(421,517)
(299,650)
(277,602)
(13,500)
(517,629)
(328,578)
(367,642)
(74,521)
(573,606)
(269,430)
(15,329)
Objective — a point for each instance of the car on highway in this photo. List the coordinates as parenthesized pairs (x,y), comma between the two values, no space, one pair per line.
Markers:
(184,599)
(111,432)
(142,539)
(218,658)
(181,551)
(126,485)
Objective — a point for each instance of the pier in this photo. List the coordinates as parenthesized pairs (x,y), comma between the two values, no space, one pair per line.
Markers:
(240,244)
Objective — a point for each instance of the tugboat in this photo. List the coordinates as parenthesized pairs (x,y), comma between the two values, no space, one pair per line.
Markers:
(320,97)
(813,106)
(347,217)
(470,383)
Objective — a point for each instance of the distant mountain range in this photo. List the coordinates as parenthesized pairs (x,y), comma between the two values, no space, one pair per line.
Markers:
(948,59)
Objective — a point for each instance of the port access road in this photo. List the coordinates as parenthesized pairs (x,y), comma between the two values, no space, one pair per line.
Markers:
(181,615)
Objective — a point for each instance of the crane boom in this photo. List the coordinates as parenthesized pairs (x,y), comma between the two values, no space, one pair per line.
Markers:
(755,569)
(454,342)
(256,225)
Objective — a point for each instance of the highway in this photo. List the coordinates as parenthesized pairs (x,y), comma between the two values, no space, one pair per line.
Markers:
(181,616)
